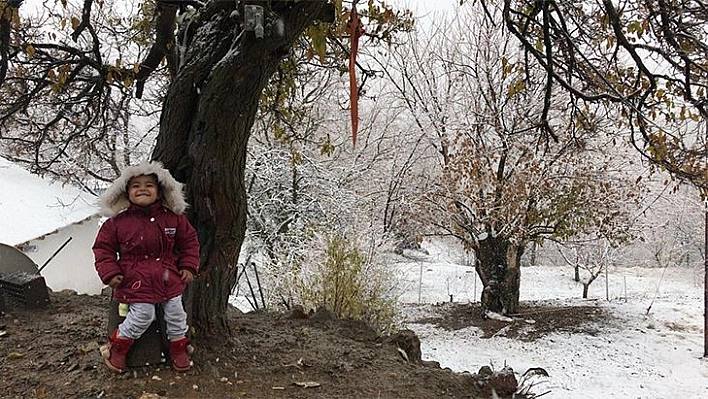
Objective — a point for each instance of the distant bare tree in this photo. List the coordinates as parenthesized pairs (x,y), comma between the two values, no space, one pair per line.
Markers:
(591,258)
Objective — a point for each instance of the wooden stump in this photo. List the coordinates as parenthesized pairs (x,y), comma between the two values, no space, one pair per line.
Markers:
(149,348)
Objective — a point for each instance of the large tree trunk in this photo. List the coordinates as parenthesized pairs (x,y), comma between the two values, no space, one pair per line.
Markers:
(205,125)
(498,266)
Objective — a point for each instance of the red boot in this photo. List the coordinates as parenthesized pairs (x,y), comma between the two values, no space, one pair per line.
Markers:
(115,351)
(178,354)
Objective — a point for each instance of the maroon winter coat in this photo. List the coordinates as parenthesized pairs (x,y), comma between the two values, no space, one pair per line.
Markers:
(148,247)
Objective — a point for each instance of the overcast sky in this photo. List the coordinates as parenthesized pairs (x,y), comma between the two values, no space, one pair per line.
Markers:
(429,5)
(424,8)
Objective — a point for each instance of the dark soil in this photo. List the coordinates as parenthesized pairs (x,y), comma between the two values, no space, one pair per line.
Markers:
(54,353)
(534,321)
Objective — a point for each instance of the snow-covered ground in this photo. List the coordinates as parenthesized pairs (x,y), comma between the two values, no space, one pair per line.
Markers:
(654,351)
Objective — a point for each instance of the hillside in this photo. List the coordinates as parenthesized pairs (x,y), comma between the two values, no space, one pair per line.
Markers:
(54,353)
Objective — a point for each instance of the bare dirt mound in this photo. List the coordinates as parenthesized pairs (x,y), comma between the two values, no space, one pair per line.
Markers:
(54,353)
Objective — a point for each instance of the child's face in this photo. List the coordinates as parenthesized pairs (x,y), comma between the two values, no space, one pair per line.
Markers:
(143,190)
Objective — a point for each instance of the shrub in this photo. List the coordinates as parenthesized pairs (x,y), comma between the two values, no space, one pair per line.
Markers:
(347,281)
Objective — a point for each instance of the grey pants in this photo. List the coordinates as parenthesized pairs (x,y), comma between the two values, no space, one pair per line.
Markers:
(141,315)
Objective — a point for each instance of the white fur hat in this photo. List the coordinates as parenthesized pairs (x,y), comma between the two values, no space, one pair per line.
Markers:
(115,198)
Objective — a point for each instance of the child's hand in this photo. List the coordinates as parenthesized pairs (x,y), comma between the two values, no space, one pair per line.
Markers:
(115,281)
(187,276)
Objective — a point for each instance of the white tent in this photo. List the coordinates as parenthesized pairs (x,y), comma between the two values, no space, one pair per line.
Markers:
(53,224)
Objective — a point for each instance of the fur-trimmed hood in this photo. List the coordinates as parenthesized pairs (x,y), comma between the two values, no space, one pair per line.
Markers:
(115,198)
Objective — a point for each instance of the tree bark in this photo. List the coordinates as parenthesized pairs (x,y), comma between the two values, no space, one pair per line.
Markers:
(498,266)
(576,275)
(534,252)
(205,125)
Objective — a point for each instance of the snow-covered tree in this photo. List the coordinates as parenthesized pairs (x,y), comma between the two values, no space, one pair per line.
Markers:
(500,186)
(646,59)
(313,236)
(68,108)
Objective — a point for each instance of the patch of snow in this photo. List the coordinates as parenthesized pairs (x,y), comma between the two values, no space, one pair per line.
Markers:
(653,350)
(497,316)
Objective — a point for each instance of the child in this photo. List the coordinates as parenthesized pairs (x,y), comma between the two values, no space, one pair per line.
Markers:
(147,252)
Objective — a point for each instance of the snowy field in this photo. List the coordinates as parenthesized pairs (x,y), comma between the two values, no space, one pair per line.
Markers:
(649,355)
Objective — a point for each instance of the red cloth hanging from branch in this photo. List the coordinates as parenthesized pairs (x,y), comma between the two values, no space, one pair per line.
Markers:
(356,30)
